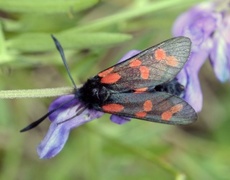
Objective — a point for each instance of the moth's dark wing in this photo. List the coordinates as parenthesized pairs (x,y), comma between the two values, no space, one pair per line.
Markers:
(151,67)
(156,107)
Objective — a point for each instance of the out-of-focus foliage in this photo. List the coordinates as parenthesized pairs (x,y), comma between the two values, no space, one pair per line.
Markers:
(95,34)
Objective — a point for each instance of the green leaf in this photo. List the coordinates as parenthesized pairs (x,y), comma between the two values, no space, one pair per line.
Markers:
(4,57)
(37,42)
(45,6)
(87,40)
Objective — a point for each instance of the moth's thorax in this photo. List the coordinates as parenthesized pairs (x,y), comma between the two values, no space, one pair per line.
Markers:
(93,93)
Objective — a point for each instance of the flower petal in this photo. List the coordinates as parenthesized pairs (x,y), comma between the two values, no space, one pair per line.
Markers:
(53,142)
(199,24)
(189,78)
(219,59)
(61,125)
(119,119)
(62,100)
(198,21)
(220,55)
(129,55)
(193,94)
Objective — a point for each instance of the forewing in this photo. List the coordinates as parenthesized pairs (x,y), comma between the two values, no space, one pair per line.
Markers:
(151,67)
(156,107)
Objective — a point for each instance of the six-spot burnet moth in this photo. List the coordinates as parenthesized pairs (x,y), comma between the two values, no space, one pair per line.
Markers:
(143,86)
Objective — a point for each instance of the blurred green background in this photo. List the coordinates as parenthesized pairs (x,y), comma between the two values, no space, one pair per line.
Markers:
(95,34)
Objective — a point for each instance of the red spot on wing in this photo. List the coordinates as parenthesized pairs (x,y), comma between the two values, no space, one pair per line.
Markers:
(135,63)
(172,61)
(106,72)
(160,54)
(176,108)
(167,115)
(113,108)
(140,114)
(110,78)
(140,90)
(148,105)
(144,72)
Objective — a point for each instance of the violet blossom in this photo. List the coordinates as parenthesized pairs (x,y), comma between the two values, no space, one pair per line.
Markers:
(208,27)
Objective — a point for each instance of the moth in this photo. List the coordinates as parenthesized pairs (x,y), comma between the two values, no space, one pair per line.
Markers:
(142,87)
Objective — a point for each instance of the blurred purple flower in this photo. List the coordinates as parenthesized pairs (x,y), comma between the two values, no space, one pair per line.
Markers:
(209,31)
(64,120)
(59,129)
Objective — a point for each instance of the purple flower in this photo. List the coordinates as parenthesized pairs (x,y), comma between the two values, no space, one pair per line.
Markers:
(58,134)
(64,119)
(209,31)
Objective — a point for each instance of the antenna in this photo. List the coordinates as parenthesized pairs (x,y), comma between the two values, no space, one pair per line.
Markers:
(60,50)
(37,122)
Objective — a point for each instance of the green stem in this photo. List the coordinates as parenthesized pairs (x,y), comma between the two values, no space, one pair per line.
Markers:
(129,13)
(35,93)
